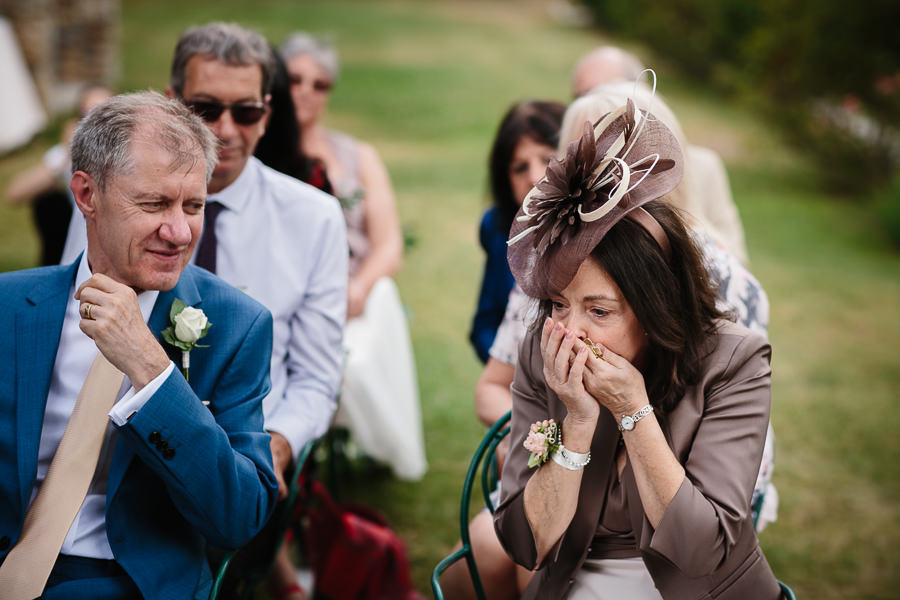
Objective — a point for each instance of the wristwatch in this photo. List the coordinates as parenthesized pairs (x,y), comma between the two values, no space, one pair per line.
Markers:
(627,423)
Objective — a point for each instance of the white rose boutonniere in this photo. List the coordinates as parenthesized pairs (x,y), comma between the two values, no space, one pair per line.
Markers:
(189,324)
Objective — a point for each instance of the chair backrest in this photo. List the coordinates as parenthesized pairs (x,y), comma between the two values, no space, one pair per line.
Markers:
(787,592)
(485,460)
(264,547)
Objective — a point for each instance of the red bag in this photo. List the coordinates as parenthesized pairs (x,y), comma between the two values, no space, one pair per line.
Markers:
(354,554)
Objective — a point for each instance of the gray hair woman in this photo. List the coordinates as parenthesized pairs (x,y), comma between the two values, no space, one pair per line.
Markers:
(379,394)
(355,170)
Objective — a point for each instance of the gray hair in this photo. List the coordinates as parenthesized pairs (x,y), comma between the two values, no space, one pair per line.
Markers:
(618,64)
(101,144)
(319,49)
(227,43)
(605,98)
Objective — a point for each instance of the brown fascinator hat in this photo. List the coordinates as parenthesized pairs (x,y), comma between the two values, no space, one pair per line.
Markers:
(621,162)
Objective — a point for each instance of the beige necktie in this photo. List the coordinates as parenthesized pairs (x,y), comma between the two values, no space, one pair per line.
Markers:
(27,566)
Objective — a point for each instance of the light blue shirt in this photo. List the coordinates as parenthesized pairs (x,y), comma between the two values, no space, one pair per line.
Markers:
(284,243)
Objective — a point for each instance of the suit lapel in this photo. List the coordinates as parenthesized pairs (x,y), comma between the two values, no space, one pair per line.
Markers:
(597,472)
(635,507)
(38,329)
(593,485)
(594,480)
(186,291)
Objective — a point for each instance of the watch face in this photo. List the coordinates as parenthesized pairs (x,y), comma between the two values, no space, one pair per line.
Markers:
(627,423)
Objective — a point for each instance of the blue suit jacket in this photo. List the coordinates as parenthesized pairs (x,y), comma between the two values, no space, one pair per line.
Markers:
(214,483)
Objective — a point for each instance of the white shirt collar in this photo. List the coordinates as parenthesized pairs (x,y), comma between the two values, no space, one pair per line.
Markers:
(235,196)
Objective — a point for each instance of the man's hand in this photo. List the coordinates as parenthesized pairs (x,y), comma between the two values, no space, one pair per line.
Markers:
(282,457)
(111,316)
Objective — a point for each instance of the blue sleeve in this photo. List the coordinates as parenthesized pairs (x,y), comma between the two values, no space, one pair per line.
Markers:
(217,469)
(496,284)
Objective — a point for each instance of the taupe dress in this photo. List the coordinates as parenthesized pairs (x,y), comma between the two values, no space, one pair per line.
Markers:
(705,545)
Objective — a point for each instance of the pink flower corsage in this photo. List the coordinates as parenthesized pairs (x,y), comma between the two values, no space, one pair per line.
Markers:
(541,441)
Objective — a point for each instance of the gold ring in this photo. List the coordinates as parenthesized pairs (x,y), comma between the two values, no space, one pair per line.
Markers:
(597,351)
(86,310)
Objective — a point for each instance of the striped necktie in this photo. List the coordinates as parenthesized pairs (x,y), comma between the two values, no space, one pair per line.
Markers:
(206,250)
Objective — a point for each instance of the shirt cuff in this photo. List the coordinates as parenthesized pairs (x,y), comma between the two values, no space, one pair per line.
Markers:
(299,428)
(133,401)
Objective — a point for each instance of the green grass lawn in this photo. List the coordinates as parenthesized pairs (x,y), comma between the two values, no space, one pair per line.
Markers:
(427,83)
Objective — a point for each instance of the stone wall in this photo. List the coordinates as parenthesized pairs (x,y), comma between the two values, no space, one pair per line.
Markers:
(67,44)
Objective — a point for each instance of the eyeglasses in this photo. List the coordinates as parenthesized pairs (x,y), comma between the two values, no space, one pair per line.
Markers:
(319,85)
(242,114)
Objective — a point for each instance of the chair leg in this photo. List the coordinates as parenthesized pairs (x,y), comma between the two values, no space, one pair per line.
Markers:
(337,463)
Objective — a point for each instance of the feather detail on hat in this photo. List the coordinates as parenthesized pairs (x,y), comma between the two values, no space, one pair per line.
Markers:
(622,161)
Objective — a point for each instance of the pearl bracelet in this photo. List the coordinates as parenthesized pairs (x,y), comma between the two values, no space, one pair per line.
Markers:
(573,461)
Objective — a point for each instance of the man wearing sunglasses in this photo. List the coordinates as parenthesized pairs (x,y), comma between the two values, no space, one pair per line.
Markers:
(281,241)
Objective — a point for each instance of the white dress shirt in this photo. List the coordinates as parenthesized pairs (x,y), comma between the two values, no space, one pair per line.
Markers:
(284,243)
(74,356)
(76,238)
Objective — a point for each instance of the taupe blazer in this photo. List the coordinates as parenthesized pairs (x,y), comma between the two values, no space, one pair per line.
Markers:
(705,545)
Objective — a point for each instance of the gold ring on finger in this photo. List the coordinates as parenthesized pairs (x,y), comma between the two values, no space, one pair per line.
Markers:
(86,311)
(598,352)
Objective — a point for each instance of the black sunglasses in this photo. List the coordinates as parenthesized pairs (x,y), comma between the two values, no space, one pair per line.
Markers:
(320,85)
(243,114)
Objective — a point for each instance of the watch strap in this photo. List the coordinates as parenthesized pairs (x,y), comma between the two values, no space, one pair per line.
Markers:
(628,422)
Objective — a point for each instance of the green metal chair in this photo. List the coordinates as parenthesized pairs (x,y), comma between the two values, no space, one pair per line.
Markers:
(263,554)
(485,459)
(787,592)
(756,509)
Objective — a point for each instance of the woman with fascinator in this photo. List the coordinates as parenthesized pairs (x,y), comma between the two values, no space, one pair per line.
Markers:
(639,412)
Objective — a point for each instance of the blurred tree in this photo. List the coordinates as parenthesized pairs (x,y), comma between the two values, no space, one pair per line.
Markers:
(816,49)
(828,71)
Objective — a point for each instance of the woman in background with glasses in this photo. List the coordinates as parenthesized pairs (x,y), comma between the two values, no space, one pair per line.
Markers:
(379,402)
(358,176)
(280,147)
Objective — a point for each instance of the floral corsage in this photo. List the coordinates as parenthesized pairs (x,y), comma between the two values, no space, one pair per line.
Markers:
(189,324)
(541,441)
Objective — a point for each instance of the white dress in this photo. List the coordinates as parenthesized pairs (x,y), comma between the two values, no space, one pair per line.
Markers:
(379,402)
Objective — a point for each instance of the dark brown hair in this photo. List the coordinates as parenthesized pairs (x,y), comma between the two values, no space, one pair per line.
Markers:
(673,299)
(279,146)
(535,119)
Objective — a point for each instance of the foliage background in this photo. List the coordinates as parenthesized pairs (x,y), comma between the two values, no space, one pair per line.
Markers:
(426,83)
(826,72)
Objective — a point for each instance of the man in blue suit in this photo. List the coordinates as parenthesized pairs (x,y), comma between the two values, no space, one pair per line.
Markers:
(173,473)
